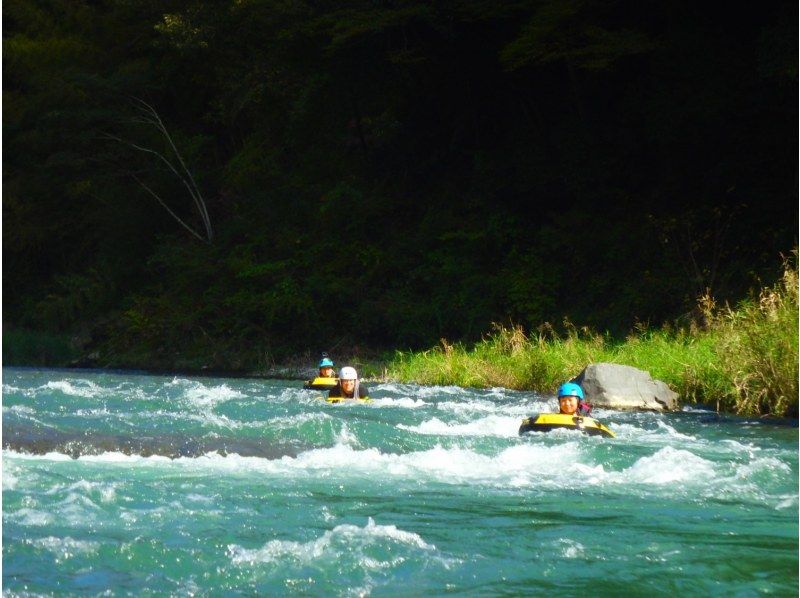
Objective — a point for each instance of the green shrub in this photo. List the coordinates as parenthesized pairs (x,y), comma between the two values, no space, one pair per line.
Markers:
(743,360)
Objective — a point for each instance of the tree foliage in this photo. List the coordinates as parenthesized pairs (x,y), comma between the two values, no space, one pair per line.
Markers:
(386,174)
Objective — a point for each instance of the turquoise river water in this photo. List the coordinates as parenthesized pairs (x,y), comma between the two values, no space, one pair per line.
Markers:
(131,484)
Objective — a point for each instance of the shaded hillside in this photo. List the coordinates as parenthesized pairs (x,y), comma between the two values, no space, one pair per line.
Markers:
(386,174)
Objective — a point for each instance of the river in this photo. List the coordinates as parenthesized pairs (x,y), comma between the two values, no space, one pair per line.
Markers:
(133,484)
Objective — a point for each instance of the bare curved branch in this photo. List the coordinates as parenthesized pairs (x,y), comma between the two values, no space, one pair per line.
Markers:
(150,117)
(201,204)
(167,208)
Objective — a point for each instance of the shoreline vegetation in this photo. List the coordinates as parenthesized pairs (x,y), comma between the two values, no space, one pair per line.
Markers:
(741,359)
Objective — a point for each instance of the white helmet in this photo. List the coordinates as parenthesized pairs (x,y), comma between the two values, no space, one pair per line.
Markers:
(348,373)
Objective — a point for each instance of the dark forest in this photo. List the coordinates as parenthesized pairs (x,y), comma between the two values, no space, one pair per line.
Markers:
(229,183)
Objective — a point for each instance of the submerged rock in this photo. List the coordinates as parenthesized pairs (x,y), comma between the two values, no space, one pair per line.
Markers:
(615,386)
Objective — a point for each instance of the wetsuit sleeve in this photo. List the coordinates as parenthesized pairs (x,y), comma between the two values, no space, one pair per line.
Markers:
(335,392)
(363,392)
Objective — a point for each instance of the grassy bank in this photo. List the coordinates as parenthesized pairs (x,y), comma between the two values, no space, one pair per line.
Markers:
(742,360)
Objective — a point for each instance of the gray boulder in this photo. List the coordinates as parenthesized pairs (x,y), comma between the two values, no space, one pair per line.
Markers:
(615,386)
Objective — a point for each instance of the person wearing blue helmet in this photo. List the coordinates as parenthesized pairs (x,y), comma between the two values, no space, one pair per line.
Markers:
(326,367)
(571,400)
(327,375)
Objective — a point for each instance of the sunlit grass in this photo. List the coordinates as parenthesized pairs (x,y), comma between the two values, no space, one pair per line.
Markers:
(743,359)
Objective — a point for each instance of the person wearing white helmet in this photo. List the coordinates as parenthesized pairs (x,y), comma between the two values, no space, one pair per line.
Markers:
(348,386)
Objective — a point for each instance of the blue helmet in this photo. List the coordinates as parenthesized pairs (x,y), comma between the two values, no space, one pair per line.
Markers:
(570,389)
(326,363)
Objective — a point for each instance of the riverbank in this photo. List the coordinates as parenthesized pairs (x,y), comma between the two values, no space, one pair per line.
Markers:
(742,360)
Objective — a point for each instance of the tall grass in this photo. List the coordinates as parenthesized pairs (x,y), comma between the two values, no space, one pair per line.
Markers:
(742,360)
(757,348)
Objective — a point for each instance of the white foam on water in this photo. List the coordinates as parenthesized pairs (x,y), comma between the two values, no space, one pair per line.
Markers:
(107,457)
(10,481)
(162,512)
(206,397)
(106,491)
(221,421)
(434,391)
(346,438)
(8,388)
(205,417)
(76,509)
(326,514)
(189,587)
(342,541)
(66,547)
(477,406)
(117,457)
(526,409)
(29,517)
(666,466)
(740,447)
(80,388)
(100,412)
(494,425)
(293,394)
(467,407)
(661,435)
(570,549)
(199,498)
(519,465)
(673,432)
(750,481)
(542,465)
(19,409)
(51,456)
(395,388)
(691,409)
(181,382)
(500,392)
(291,422)
(765,470)
(402,402)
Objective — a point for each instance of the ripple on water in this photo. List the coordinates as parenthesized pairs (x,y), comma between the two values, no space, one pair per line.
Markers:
(493,425)
(346,541)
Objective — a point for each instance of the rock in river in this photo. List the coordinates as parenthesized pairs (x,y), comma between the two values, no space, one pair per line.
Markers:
(615,386)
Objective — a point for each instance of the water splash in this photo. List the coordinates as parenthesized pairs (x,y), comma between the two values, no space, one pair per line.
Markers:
(342,541)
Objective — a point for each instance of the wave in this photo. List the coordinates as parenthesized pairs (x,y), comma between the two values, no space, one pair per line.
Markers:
(206,397)
(342,541)
(494,425)
(480,406)
(401,402)
(533,466)
(66,547)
